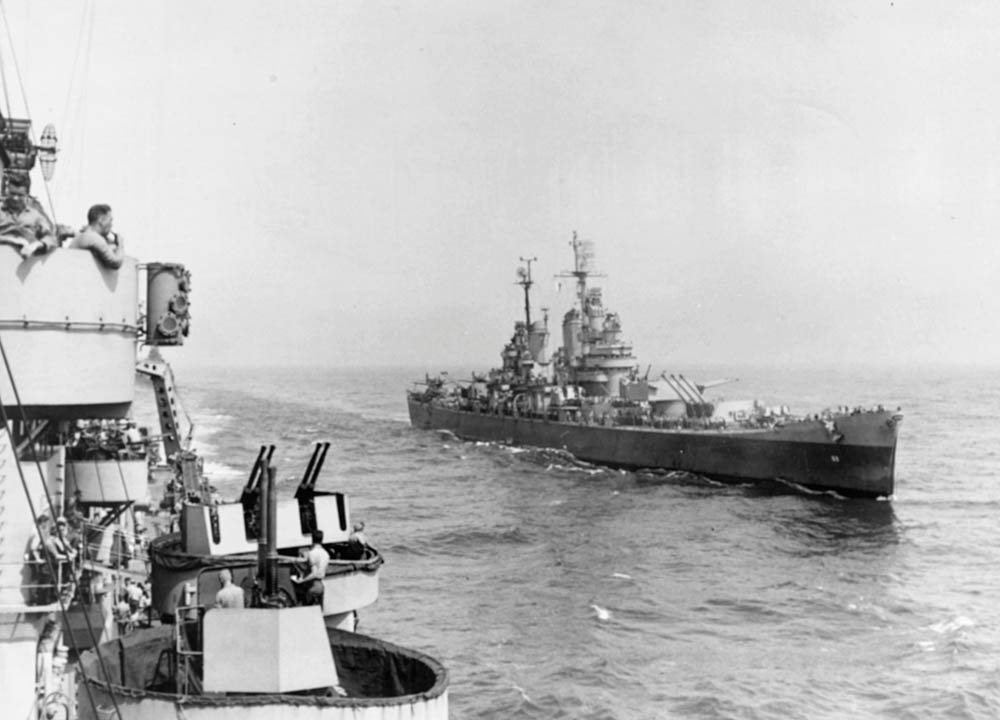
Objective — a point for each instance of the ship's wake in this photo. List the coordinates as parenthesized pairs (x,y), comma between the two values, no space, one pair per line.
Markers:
(802,489)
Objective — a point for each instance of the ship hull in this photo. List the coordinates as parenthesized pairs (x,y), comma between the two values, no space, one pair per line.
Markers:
(857,460)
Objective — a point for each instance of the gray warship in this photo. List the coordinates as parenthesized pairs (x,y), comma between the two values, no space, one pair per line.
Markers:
(589,398)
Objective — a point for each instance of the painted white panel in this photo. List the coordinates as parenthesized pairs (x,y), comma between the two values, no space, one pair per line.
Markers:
(83,364)
(109,481)
(264,650)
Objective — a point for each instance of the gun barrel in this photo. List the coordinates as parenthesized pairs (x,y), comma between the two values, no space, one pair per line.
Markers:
(255,471)
(677,388)
(691,387)
(304,483)
(319,466)
(715,383)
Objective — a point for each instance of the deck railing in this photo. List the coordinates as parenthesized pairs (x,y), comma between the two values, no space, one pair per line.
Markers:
(42,591)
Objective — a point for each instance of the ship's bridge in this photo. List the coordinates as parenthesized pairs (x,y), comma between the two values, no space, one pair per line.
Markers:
(69,328)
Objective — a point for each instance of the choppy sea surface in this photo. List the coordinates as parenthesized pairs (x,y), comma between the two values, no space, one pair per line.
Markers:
(554,589)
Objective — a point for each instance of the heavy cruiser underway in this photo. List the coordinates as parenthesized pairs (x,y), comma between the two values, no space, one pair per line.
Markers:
(590,399)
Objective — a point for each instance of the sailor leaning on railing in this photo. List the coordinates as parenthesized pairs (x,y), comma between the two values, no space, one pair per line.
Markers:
(98,237)
(49,543)
(24,225)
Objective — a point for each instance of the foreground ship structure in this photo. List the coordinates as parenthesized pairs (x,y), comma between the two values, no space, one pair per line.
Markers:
(268,656)
(73,470)
(589,398)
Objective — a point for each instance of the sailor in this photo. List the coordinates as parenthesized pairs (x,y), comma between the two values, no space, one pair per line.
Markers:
(358,534)
(98,237)
(36,545)
(356,543)
(133,439)
(319,560)
(37,552)
(133,595)
(57,543)
(58,547)
(229,596)
(122,615)
(21,222)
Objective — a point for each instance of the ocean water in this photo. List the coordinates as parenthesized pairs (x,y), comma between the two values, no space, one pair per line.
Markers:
(553,589)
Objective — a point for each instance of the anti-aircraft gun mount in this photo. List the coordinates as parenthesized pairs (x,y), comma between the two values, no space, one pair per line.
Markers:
(305,494)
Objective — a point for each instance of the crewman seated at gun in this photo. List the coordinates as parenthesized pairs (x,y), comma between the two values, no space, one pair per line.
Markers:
(22,223)
(97,236)
(356,543)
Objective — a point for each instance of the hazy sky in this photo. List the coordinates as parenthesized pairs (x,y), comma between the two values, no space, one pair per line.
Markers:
(354,182)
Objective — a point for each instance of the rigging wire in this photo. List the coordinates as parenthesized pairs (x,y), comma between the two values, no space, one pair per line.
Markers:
(49,563)
(80,70)
(82,48)
(3,81)
(17,68)
(48,559)
(76,97)
(3,67)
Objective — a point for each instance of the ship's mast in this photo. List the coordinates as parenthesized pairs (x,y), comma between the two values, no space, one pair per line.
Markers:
(582,259)
(524,280)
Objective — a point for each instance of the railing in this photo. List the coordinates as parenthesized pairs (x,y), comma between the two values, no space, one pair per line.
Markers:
(43,590)
(126,545)
(187,645)
(25,324)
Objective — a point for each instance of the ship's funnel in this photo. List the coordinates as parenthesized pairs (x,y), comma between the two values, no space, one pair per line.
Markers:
(594,310)
(571,335)
(612,328)
(538,339)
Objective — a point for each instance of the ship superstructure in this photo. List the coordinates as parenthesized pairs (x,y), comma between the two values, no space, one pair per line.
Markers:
(74,467)
(591,399)
(70,329)
(75,484)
